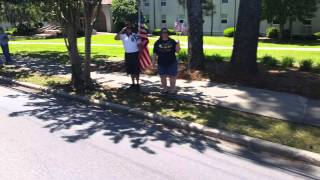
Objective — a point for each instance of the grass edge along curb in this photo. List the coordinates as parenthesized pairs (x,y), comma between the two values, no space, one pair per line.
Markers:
(251,143)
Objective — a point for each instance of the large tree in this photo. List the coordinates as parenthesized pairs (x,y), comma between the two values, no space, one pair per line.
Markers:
(288,11)
(244,55)
(196,9)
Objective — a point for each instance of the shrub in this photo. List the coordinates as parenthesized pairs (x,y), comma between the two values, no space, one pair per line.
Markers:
(269,61)
(24,30)
(156,32)
(287,62)
(317,35)
(182,55)
(304,37)
(273,32)
(229,32)
(306,65)
(215,58)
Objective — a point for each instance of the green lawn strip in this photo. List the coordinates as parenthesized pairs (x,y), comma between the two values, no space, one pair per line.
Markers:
(208,40)
(283,132)
(118,52)
(287,133)
(34,78)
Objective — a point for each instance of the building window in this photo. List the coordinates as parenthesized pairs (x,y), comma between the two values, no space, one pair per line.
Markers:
(181,18)
(147,19)
(307,22)
(146,3)
(225,1)
(224,21)
(164,19)
(224,18)
(163,2)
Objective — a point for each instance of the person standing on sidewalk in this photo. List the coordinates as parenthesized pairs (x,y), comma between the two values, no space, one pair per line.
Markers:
(5,47)
(164,51)
(131,45)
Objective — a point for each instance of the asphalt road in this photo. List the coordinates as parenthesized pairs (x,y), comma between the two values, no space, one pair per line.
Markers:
(44,137)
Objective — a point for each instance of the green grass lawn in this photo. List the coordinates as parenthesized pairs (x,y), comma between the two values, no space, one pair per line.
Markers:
(117,52)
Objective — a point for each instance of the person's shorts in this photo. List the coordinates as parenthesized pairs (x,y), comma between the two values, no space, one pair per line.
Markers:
(171,70)
(132,63)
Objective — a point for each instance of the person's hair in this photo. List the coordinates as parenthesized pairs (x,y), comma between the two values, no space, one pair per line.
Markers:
(161,32)
(1,29)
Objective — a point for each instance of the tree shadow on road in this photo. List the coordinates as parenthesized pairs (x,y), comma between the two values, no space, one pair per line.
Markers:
(75,122)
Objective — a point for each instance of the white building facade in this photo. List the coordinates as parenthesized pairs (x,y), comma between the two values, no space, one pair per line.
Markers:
(164,13)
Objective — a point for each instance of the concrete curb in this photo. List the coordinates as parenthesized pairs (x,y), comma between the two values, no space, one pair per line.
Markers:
(246,141)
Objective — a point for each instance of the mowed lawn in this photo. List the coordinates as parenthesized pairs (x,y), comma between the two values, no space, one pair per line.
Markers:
(116,51)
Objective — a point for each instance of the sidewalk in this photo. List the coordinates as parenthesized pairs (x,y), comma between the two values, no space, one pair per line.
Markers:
(257,101)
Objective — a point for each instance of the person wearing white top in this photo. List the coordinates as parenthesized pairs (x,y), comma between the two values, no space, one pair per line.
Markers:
(5,47)
(131,42)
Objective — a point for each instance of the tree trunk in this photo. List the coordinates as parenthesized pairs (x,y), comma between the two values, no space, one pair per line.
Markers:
(281,29)
(244,55)
(195,46)
(75,59)
(70,21)
(88,13)
(91,11)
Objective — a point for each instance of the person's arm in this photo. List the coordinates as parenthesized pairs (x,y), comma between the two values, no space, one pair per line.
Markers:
(118,36)
(154,59)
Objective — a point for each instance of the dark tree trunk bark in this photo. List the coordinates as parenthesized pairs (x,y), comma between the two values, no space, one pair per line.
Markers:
(70,23)
(91,11)
(244,55)
(195,46)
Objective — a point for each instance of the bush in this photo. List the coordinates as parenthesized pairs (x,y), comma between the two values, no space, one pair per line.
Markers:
(306,65)
(156,32)
(269,61)
(215,58)
(273,33)
(304,37)
(182,56)
(317,35)
(229,32)
(24,30)
(287,62)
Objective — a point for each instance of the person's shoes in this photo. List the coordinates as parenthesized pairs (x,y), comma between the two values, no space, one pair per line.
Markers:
(137,87)
(132,87)
(164,91)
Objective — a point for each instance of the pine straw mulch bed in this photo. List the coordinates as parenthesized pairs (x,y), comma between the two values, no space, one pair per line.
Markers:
(278,79)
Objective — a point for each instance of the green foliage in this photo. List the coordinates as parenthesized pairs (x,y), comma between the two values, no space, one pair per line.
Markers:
(317,35)
(269,61)
(287,62)
(216,58)
(182,55)
(24,30)
(124,11)
(288,10)
(306,65)
(229,32)
(273,32)
(157,32)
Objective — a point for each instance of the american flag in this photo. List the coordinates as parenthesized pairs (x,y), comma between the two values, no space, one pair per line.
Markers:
(144,54)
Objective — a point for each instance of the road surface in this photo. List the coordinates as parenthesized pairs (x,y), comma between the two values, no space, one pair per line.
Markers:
(44,137)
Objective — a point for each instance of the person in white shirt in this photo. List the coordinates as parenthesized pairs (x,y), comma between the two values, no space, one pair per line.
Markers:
(5,47)
(130,42)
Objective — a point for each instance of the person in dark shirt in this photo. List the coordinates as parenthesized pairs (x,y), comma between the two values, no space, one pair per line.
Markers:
(164,51)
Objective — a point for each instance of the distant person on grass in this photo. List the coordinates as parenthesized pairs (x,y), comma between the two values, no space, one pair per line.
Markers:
(165,50)
(5,47)
(131,45)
